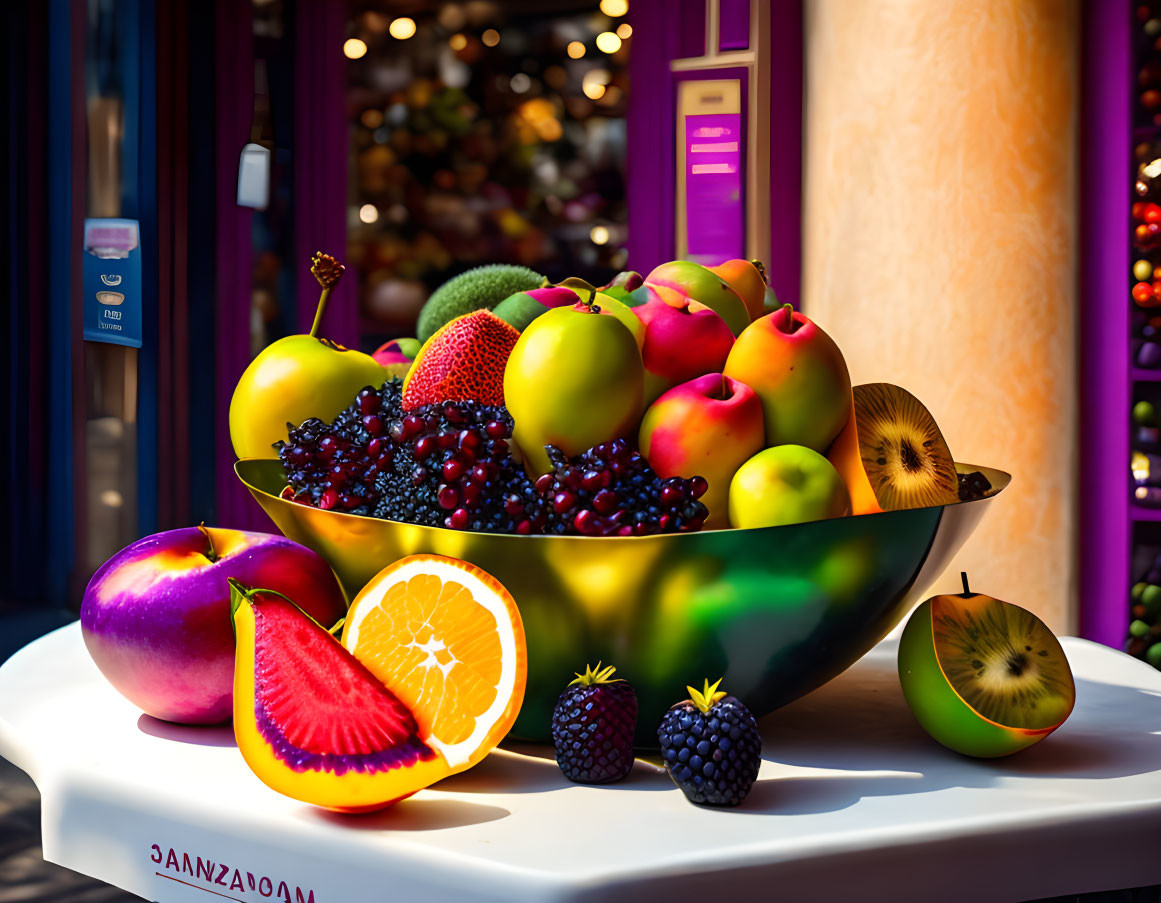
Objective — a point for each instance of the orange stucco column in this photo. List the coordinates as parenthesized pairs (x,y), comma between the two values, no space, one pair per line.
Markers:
(939,230)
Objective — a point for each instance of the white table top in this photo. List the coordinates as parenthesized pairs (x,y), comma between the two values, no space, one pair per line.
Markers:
(852,799)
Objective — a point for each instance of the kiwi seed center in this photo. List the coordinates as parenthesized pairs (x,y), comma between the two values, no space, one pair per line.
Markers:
(1017,662)
(910,458)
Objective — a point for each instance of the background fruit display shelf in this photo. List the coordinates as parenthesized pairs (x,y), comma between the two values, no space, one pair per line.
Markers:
(852,799)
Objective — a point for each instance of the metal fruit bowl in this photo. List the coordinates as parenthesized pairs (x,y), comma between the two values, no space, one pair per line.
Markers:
(776,611)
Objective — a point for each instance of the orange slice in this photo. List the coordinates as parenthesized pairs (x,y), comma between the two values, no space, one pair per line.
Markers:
(447,638)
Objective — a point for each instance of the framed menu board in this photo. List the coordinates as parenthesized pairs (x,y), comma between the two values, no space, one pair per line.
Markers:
(711,164)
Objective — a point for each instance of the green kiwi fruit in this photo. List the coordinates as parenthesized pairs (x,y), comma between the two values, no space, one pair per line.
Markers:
(1002,661)
(903,452)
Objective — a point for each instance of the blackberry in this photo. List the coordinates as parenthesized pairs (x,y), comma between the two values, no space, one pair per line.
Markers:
(593,725)
(610,490)
(336,465)
(973,485)
(711,747)
(453,467)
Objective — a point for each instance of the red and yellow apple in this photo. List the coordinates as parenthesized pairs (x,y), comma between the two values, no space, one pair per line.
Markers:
(706,427)
(156,616)
(800,375)
(522,308)
(747,279)
(699,284)
(683,339)
(396,355)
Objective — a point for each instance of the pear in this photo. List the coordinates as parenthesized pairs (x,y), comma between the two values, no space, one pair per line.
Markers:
(298,377)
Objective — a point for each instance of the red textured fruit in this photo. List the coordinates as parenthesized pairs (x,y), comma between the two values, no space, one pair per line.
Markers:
(1142,292)
(463,361)
(1152,213)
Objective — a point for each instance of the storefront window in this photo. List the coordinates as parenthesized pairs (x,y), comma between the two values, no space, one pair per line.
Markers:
(480,134)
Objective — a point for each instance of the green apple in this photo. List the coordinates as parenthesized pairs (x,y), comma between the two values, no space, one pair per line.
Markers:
(786,484)
(573,380)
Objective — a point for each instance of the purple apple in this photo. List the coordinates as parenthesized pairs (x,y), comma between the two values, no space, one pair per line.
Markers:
(683,339)
(156,616)
(707,427)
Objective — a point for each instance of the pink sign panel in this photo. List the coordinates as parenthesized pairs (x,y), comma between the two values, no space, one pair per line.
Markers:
(713,188)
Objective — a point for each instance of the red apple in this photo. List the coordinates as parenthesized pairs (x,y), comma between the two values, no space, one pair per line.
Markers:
(706,427)
(156,616)
(683,339)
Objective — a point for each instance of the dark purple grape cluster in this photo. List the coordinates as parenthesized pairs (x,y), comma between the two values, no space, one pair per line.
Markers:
(610,490)
(453,467)
(337,465)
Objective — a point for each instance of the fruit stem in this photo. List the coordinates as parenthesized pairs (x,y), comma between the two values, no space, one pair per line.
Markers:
(790,324)
(327,271)
(761,268)
(212,554)
(966,592)
(592,302)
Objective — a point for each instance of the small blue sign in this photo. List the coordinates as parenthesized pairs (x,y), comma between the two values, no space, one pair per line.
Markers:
(112,281)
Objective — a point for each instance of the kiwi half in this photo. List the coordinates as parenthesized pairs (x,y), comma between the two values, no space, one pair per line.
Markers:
(903,452)
(1002,661)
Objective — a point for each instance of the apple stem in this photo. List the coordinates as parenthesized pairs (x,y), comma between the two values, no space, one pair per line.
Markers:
(319,311)
(327,271)
(592,302)
(789,309)
(966,591)
(212,554)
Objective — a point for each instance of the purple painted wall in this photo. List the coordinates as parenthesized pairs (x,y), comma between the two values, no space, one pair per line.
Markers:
(733,24)
(234,94)
(784,265)
(320,165)
(1105,387)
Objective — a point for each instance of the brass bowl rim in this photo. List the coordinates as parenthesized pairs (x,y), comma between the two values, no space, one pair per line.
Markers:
(998,478)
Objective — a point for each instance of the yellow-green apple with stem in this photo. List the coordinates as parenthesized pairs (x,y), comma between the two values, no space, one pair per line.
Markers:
(800,375)
(298,377)
(698,283)
(683,339)
(787,484)
(573,380)
(707,427)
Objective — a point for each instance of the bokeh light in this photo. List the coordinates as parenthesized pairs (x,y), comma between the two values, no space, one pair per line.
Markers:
(372,119)
(607,42)
(599,235)
(593,83)
(458,42)
(402,28)
(369,213)
(614,8)
(353,49)
(491,37)
(575,50)
(520,83)
(624,31)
